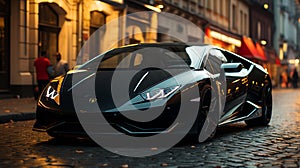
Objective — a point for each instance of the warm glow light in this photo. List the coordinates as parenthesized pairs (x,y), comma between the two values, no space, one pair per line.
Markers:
(266,6)
(153,8)
(225,38)
(118,1)
(284,46)
(1,22)
(98,5)
(160,6)
(294,61)
(263,42)
(281,54)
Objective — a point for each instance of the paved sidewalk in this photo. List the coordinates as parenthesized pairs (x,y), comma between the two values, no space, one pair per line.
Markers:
(17,109)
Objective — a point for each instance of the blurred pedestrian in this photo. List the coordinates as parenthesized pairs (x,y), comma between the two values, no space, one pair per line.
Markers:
(295,77)
(41,64)
(284,79)
(61,67)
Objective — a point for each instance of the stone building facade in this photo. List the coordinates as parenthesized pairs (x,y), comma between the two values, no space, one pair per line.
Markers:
(53,26)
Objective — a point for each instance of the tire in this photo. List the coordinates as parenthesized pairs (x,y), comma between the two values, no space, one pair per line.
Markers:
(264,120)
(206,94)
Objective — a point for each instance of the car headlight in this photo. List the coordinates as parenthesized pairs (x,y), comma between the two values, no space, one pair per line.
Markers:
(159,93)
(51,92)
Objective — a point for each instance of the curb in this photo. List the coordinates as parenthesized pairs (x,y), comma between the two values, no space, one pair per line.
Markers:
(17,117)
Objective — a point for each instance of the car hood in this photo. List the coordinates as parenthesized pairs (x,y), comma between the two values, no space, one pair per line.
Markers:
(112,89)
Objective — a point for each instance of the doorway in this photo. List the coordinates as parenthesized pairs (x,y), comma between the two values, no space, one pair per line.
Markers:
(48,30)
(4,46)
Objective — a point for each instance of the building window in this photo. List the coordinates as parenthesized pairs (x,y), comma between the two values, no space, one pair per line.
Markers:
(234,21)
(185,4)
(221,4)
(98,19)
(208,4)
(215,4)
(241,22)
(246,24)
(47,15)
(176,2)
(200,3)
(193,6)
(200,7)
(258,30)
(226,11)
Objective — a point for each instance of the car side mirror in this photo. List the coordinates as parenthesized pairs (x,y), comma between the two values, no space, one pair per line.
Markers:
(232,67)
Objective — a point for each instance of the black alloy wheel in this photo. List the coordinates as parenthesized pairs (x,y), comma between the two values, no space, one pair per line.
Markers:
(206,98)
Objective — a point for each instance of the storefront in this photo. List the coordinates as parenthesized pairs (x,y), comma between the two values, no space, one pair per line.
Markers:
(252,51)
(273,66)
(222,39)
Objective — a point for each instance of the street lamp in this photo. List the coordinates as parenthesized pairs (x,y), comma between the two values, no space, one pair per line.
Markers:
(263,42)
(266,6)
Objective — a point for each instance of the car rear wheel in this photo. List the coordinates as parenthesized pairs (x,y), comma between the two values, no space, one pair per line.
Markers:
(264,120)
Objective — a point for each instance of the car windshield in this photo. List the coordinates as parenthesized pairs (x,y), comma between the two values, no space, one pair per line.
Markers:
(140,57)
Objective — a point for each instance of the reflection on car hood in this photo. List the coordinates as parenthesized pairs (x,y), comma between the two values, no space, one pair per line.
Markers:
(111,84)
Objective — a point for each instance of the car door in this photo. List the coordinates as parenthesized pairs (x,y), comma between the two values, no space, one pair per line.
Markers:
(237,84)
(212,65)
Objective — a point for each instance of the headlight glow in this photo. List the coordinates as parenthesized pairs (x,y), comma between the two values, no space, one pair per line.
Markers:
(159,93)
(53,89)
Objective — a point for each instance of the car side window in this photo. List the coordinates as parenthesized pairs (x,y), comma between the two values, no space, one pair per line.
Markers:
(137,60)
(231,58)
(214,61)
(120,60)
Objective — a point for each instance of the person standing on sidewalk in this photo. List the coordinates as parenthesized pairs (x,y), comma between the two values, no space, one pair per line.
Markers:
(61,67)
(295,77)
(41,64)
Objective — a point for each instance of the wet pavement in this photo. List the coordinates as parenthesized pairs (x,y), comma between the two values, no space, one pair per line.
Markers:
(236,145)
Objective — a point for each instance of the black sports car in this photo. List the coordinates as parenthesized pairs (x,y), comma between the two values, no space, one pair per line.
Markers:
(148,89)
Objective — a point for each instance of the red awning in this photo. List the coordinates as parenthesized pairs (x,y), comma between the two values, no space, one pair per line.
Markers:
(248,49)
(261,52)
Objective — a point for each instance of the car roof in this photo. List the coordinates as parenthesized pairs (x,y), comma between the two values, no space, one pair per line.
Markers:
(163,44)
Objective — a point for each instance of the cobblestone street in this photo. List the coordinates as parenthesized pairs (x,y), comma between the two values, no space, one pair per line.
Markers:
(237,145)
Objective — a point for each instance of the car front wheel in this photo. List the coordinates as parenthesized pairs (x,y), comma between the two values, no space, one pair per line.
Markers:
(206,97)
